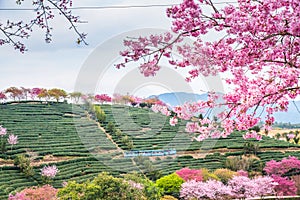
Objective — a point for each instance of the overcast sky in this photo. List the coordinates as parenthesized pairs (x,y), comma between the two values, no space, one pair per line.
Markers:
(60,63)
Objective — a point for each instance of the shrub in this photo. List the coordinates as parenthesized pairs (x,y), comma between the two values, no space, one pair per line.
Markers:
(224,174)
(285,187)
(110,127)
(282,167)
(251,148)
(46,192)
(103,187)
(190,174)
(151,191)
(170,184)
(208,176)
(168,197)
(244,187)
(211,189)
(24,164)
(100,114)
(243,163)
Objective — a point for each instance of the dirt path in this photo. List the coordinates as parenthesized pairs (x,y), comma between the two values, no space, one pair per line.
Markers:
(102,129)
(48,159)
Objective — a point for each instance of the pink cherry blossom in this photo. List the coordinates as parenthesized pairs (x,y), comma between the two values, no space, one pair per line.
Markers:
(173,121)
(12,139)
(259,52)
(291,136)
(49,171)
(3,131)
(252,134)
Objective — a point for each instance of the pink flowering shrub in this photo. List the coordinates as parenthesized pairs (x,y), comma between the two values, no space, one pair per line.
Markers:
(237,187)
(210,189)
(278,170)
(285,187)
(282,167)
(190,174)
(46,192)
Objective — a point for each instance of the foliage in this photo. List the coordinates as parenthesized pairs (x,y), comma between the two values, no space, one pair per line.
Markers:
(100,114)
(208,175)
(45,192)
(103,187)
(236,163)
(251,148)
(170,184)
(24,164)
(151,191)
(110,128)
(168,197)
(190,174)
(224,174)
(57,93)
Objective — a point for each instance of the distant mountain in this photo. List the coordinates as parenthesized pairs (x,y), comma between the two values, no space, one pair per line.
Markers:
(178,98)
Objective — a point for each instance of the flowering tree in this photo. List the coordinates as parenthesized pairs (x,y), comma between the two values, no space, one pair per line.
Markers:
(48,173)
(35,193)
(278,171)
(13,32)
(57,94)
(34,92)
(2,96)
(257,44)
(190,174)
(14,93)
(211,189)
(102,98)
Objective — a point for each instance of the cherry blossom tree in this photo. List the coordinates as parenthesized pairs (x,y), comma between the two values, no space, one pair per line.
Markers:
(34,92)
(14,93)
(257,44)
(2,96)
(102,98)
(14,32)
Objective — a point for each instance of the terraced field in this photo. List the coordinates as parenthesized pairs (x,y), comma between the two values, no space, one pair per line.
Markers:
(81,150)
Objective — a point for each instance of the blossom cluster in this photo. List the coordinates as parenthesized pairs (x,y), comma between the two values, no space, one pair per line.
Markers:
(279,170)
(161,108)
(3,131)
(237,187)
(12,139)
(49,171)
(133,184)
(252,134)
(263,71)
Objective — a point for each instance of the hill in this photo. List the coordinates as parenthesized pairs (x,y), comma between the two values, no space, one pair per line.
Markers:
(68,136)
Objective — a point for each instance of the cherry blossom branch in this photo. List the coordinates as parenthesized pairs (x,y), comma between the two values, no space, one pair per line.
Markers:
(14,32)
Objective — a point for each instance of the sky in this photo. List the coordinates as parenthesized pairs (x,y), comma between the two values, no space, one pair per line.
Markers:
(67,65)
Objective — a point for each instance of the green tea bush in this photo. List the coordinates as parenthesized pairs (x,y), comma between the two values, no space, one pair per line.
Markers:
(170,184)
